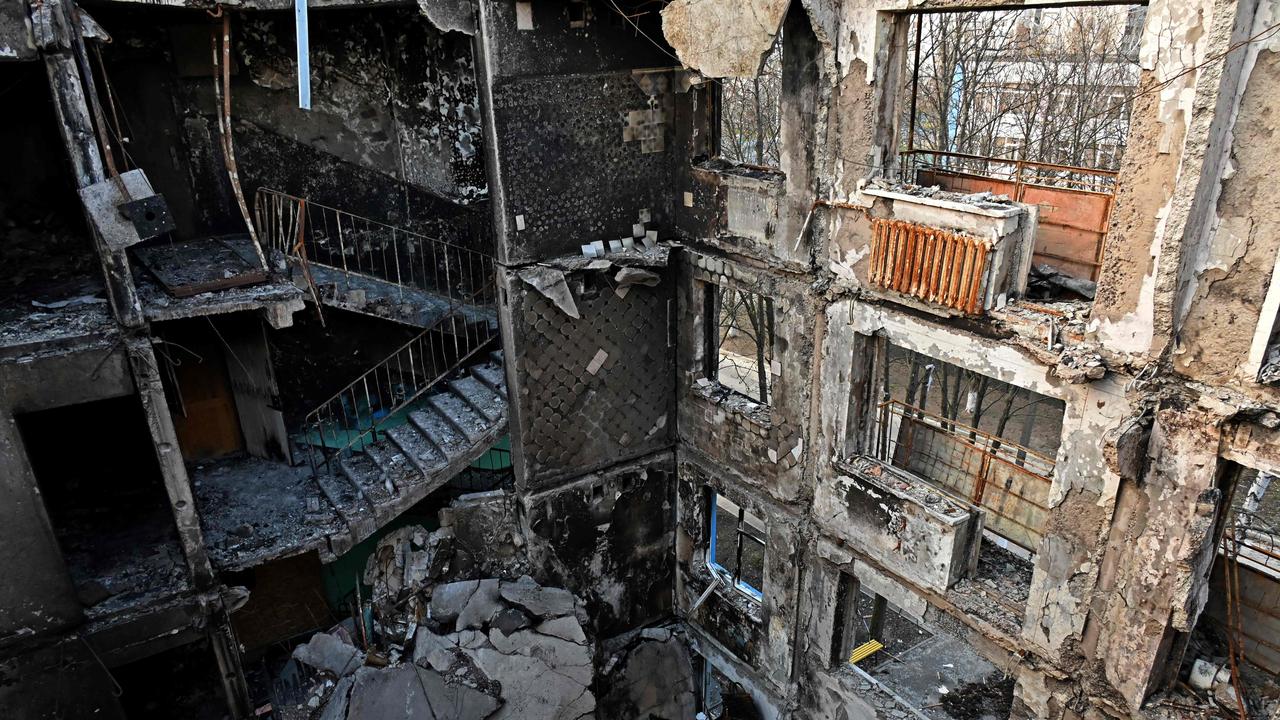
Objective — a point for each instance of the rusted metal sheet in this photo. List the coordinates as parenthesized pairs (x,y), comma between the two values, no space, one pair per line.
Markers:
(1073,222)
(929,263)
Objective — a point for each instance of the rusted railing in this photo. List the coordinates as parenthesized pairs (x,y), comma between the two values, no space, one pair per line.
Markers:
(317,234)
(1018,172)
(1010,482)
(929,263)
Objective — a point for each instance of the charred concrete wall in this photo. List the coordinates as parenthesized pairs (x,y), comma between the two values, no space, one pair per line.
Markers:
(586,119)
(41,597)
(593,390)
(588,126)
(394,133)
(608,536)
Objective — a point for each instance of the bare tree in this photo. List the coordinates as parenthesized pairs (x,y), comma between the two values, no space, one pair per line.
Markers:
(751,113)
(1049,85)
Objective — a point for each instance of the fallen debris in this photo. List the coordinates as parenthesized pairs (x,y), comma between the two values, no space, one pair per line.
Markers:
(1046,282)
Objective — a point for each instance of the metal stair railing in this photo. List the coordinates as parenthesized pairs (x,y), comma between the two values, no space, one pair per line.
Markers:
(311,233)
(317,234)
(382,395)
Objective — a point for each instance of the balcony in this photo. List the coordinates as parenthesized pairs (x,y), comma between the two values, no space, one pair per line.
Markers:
(1010,483)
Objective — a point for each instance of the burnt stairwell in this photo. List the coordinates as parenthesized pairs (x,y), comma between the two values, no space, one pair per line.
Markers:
(414,420)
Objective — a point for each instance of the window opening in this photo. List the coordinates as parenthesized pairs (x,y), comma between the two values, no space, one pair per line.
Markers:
(736,548)
(740,350)
(1033,104)
(988,442)
(751,113)
(723,699)
(863,617)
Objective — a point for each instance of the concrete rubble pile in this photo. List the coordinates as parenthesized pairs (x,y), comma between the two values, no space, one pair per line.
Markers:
(464,650)
(473,649)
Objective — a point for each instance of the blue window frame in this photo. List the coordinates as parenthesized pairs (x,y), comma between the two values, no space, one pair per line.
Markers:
(735,550)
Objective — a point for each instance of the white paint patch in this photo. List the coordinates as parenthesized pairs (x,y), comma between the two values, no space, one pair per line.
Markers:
(524,16)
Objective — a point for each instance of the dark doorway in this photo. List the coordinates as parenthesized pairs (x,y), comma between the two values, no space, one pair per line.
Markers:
(104,493)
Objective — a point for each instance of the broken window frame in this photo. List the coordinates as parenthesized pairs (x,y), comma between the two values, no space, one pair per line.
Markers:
(760,316)
(733,578)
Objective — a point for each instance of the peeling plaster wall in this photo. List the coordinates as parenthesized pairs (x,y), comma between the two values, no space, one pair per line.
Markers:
(1161,586)
(1169,137)
(1235,268)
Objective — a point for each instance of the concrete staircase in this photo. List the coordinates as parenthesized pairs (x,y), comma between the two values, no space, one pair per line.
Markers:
(448,429)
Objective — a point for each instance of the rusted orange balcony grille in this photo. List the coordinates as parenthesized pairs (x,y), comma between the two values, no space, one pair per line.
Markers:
(929,263)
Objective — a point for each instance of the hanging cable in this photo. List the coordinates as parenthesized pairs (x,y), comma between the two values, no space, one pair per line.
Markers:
(222,93)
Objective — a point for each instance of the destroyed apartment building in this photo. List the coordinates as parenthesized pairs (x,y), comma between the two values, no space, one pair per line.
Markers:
(720,359)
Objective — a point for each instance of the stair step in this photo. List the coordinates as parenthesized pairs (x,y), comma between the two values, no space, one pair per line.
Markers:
(460,415)
(443,435)
(479,397)
(346,500)
(418,449)
(393,469)
(355,465)
(492,376)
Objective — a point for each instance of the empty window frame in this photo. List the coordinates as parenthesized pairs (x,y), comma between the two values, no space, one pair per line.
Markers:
(1046,84)
(751,113)
(739,340)
(1029,103)
(735,547)
(978,438)
(862,617)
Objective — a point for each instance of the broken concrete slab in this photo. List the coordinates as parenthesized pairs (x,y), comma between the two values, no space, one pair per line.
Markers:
(336,706)
(537,600)
(510,620)
(434,650)
(455,701)
(449,600)
(745,30)
(565,628)
(483,605)
(532,690)
(328,653)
